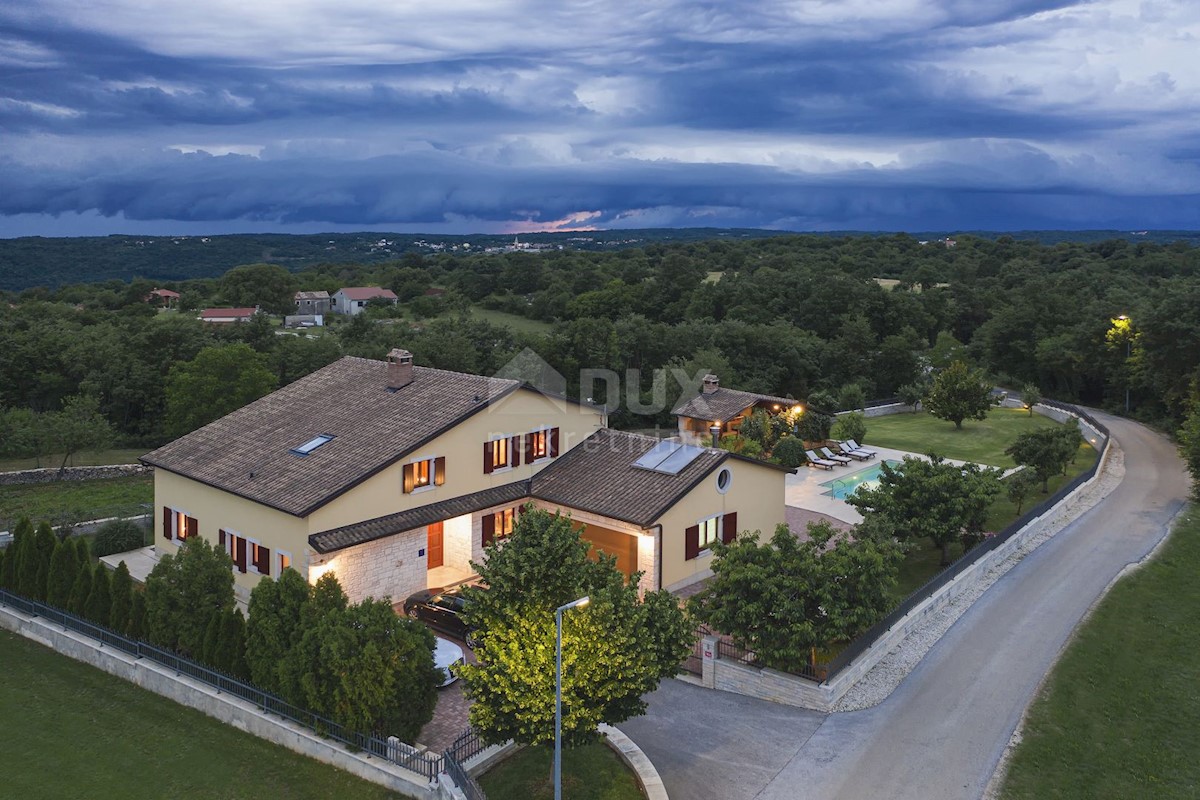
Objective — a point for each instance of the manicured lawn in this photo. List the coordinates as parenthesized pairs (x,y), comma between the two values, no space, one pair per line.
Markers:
(76,501)
(71,730)
(1120,714)
(127,455)
(979,441)
(1004,511)
(593,772)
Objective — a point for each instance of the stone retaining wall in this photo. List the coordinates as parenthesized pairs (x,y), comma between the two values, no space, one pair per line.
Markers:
(51,474)
(230,710)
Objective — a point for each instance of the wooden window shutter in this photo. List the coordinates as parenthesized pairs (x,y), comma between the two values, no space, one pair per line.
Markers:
(729,527)
(193,527)
(691,543)
(167,514)
(239,553)
(514,449)
(439,470)
(263,564)
(489,528)
(409,480)
(554,442)
(487,458)
(528,447)
(221,538)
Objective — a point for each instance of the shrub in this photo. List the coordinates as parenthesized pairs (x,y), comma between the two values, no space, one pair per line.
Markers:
(911,394)
(850,426)
(790,452)
(851,396)
(813,426)
(118,536)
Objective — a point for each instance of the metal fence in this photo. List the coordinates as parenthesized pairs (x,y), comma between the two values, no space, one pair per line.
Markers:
(462,779)
(815,672)
(389,749)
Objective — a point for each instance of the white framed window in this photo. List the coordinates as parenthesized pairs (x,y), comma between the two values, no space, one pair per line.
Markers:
(423,474)
(501,455)
(539,445)
(710,531)
(724,480)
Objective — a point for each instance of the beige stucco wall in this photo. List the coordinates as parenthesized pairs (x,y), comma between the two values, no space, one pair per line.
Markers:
(756,494)
(215,509)
(521,412)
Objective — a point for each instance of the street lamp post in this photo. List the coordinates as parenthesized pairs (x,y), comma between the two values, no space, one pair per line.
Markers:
(583,601)
(1128,355)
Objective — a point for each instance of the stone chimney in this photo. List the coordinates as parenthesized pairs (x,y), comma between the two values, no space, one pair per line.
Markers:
(400,369)
(711,384)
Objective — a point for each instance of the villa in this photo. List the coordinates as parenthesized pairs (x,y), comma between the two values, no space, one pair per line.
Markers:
(395,477)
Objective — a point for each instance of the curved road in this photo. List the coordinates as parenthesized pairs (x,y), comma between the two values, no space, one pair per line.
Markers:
(942,732)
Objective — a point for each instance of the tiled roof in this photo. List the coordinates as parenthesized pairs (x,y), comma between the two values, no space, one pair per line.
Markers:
(725,404)
(367,292)
(598,475)
(165,293)
(221,313)
(312,295)
(247,452)
(380,527)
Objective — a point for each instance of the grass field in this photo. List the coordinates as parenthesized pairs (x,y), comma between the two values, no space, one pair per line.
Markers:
(76,501)
(979,441)
(71,730)
(1120,714)
(90,459)
(504,319)
(593,772)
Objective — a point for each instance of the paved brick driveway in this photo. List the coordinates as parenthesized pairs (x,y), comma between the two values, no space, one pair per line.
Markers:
(450,716)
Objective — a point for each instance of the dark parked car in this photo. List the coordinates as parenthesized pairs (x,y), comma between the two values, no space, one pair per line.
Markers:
(442,610)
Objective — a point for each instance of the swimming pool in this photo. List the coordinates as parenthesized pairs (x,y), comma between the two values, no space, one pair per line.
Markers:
(846,485)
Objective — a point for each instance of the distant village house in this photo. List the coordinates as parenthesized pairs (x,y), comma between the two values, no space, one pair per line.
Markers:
(352,300)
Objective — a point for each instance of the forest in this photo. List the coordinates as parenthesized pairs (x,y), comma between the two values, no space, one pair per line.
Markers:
(847,316)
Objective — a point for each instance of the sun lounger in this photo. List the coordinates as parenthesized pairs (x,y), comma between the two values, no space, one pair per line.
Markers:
(815,460)
(825,451)
(862,449)
(847,450)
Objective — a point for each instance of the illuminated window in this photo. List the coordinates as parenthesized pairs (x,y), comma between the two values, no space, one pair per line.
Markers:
(504,522)
(499,453)
(285,561)
(424,473)
(539,444)
(710,532)
(421,473)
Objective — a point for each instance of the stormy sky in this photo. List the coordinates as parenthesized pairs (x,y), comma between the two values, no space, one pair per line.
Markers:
(172,116)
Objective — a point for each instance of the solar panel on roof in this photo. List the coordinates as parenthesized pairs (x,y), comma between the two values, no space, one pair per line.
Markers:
(677,461)
(657,455)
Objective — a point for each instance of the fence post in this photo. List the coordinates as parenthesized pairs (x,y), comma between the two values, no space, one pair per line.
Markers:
(708,659)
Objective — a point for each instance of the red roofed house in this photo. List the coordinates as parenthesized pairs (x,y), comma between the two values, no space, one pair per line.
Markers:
(163,297)
(227,316)
(352,300)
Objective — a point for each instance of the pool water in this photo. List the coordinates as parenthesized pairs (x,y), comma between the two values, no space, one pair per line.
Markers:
(846,485)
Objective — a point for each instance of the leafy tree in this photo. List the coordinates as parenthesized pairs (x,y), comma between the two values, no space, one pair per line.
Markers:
(81,591)
(78,427)
(959,393)
(1041,451)
(947,351)
(217,381)
(911,394)
(615,650)
(784,598)
(273,626)
(813,426)
(183,591)
(1189,442)
(930,499)
(822,401)
(1020,485)
(267,285)
(64,568)
(368,669)
(1031,395)
(121,589)
(118,536)
(98,606)
(790,452)
(850,426)
(851,397)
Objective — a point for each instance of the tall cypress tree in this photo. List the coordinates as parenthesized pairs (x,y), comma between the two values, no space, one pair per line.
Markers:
(63,571)
(230,653)
(137,616)
(44,542)
(80,591)
(122,598)
(24,557)
(99,599)
(212,636)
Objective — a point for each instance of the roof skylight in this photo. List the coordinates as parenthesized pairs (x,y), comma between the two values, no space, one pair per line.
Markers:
(312,444)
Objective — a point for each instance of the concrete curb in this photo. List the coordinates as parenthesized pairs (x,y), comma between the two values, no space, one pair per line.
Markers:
(637,761)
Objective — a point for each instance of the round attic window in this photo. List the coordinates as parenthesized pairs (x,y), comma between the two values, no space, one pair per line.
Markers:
(724,480)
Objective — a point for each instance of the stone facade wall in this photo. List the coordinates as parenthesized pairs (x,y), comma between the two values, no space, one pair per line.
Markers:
(51,474)
(392,567)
